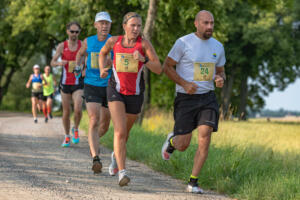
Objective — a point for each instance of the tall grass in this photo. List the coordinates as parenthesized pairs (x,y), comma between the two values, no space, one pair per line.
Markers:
(247,160)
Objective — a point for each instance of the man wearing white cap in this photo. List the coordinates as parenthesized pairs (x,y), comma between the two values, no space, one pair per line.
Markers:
(37,90)
(94,86)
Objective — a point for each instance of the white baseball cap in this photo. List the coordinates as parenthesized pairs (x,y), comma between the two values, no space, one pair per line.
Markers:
(36,66)
(102,16)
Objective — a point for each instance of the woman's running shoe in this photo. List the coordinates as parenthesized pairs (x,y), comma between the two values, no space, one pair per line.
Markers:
(113,167)
(123,178)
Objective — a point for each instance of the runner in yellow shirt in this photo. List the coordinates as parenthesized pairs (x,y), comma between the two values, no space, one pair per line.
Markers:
(48,92)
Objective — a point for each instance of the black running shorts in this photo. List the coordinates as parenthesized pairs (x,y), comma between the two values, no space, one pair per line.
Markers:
(133,103)
(69,89)
(38,95)
(46,97)
(95,94)
(190,111)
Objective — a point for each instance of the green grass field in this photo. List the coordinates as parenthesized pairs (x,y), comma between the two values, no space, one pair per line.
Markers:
(247,160)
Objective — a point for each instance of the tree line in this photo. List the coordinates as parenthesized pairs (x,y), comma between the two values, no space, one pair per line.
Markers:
(261,40)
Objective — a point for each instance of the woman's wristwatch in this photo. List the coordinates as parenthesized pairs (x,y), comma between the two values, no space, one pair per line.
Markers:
(146,60)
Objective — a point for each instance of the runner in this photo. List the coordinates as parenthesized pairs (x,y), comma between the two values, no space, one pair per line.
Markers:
(71,86)
(125,91)
(48,92)
(199,61)
(37,90)
(95,87)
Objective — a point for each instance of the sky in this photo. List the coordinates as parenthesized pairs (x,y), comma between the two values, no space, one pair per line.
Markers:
(287,99)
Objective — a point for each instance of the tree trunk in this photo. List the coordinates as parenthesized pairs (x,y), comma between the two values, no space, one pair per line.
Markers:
(148,30)
(226,98)
(48,52)
(243,97)
(4,88)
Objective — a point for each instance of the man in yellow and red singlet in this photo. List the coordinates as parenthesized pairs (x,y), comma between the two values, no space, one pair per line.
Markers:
(71,86)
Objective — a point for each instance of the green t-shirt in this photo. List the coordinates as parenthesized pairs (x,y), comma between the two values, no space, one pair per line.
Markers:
(49,88)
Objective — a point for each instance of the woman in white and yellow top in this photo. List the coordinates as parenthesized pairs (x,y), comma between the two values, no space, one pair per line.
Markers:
(37,90)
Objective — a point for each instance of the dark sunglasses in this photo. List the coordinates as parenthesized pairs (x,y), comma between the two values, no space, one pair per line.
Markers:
(71,31)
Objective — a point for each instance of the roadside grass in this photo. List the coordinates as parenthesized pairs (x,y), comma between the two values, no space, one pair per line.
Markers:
(247,160)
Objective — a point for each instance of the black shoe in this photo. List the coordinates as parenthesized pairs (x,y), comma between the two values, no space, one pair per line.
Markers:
(50,115)
(35,121)
(97,165)
(46,119)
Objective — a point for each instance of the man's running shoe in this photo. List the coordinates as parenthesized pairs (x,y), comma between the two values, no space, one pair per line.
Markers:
(50,115)
(194,188)
(97,165)
(35,121)
(167,148)
(113,167)
(123,178)
(66,142)
(46,119)
(75,138)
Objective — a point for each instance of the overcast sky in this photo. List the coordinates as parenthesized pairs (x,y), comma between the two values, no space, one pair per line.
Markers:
(289,99)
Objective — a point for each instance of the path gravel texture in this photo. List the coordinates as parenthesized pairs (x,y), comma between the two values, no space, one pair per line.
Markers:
(33,165)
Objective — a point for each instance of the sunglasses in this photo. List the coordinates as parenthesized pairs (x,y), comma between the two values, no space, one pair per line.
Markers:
(71,31)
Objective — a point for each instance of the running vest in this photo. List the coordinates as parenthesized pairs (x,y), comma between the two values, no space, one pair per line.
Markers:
(68,77)
(49,88)
(127,75)
(36,83)
(92,74)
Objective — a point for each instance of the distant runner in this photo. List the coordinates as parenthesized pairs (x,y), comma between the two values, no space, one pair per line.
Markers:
(199,61)
(71,86)
(125,90)
(48,92)
(95,87)
(36,91)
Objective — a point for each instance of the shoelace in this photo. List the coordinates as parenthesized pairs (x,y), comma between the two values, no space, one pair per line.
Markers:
(76,133)
(67,140)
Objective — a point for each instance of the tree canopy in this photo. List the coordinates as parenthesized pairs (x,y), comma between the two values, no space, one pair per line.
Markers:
(261,40)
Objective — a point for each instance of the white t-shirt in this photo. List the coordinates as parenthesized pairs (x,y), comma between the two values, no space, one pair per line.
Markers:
(196,61)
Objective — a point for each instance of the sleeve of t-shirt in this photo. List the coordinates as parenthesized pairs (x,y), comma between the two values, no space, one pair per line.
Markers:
(222,60)
(177,50)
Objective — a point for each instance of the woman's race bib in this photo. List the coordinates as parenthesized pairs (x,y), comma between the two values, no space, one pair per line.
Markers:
(203,71)
(126,63)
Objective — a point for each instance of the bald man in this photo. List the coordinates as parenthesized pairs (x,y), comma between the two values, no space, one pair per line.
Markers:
(199,61)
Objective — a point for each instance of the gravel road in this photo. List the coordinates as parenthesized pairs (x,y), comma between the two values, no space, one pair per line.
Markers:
(34,166)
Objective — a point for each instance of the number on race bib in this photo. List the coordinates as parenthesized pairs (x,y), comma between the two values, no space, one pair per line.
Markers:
(203,71)
(126,63)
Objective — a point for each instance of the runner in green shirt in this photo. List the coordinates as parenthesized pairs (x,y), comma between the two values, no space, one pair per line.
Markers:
(48,92)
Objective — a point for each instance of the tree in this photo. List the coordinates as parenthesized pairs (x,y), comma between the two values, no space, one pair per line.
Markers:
(148,31)
(261,55)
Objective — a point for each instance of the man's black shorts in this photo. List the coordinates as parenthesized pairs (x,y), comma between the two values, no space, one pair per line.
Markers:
(95,94)
(46,97)
(38,95)
(190,111)
(133,103)
(69,89)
